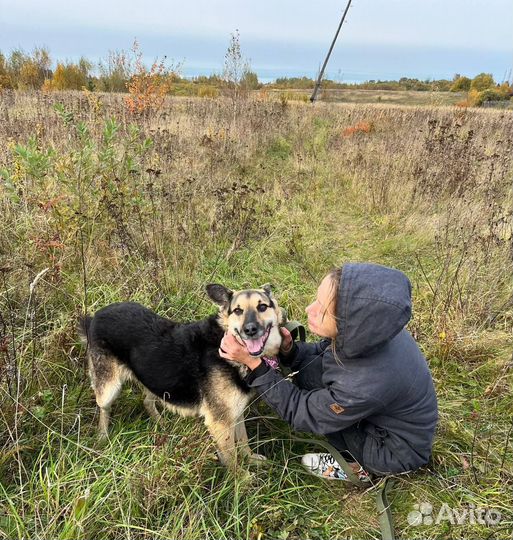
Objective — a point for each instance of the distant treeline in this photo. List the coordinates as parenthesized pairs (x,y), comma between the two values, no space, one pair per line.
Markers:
(480,89)
(33,71)
(404,83)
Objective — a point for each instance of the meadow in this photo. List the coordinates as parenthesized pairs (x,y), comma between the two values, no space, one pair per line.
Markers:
(99,205)
(382,97)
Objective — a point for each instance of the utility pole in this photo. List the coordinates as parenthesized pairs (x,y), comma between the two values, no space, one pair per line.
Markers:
(321,73)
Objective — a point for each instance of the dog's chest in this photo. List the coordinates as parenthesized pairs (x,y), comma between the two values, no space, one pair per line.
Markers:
(242,369)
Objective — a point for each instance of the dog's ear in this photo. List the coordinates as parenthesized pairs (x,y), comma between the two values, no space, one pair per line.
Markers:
(267,289)
(219,294)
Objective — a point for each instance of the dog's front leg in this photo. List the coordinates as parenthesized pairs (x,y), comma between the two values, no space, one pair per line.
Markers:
(223,433)
(241,439)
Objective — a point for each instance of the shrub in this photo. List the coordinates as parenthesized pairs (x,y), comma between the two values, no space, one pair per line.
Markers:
(491,94)
(5,78)
(148,87)
(69,76)
(285,97)
(28,71)
(360,127)
(115,72)
(499,93)
(250,80)
(482,82)
(461,84)
(279,149)
(208,91)
(29,76)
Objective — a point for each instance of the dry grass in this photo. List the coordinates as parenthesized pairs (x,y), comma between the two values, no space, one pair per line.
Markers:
(243,192)
(383,97)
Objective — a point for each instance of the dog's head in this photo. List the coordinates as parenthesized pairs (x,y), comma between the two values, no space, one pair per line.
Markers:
(252,315)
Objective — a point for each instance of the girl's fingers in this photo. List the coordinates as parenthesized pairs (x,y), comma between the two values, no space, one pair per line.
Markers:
(230,349)
(231,344)
(285,333)
(224,354)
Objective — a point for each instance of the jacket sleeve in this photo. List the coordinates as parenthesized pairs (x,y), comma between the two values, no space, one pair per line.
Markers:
(321,411)
(302,352)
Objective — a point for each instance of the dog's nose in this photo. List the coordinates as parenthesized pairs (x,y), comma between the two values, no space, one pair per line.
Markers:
(250,329)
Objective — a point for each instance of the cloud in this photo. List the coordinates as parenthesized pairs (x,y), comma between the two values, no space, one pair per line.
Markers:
(464,23)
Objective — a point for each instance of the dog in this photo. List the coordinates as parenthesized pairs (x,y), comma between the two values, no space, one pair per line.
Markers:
(178,365)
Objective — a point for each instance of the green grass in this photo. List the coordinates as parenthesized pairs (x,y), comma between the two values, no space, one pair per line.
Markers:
(276,194)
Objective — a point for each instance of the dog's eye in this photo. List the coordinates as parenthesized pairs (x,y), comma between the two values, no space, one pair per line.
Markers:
(262,307)
(238,311)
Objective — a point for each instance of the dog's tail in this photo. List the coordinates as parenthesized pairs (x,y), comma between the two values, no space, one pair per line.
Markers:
(84,323)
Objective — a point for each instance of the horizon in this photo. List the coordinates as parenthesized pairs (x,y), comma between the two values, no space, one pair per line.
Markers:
(380,40)
(268,74)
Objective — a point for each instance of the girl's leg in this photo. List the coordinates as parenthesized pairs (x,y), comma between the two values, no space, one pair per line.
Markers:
(349,442)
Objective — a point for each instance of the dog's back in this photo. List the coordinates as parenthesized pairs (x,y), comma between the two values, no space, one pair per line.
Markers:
(122,327)
(169,359)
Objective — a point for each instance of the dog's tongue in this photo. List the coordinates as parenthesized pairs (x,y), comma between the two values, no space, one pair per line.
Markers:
(255,345)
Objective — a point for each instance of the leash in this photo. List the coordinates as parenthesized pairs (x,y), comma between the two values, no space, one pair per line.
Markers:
(386,520)
(297,332)
(296,329)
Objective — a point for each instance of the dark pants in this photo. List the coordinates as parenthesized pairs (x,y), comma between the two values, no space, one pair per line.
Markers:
(349,442)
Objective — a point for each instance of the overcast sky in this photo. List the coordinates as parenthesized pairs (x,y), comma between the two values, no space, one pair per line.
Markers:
(382,39)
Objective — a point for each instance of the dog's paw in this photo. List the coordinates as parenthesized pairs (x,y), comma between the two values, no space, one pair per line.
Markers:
(102,441)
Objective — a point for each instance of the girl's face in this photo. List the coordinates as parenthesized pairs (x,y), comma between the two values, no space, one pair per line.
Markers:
(321,312)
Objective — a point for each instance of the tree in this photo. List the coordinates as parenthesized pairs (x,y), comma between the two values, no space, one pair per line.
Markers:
(115,72)
(148,87)
(5,78)
(29,71)
(58,81)
(483,81)
(41,57)
(236,69)
(234,64)
(461,84)
(68,76)
(29,76)
(250,80)
(16,60)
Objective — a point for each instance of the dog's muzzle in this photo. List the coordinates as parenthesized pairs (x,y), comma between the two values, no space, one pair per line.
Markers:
(256,345)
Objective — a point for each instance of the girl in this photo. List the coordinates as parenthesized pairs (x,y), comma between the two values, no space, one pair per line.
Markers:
(366,386)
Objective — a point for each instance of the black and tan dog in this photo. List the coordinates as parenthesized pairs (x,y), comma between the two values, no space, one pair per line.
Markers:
(179,365)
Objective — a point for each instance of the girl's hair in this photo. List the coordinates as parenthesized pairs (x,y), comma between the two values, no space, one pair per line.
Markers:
(335,277)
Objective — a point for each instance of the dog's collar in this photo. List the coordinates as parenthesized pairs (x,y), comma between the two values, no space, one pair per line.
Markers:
(271,361)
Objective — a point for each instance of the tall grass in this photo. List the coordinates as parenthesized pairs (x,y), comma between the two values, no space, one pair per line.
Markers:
(151,208)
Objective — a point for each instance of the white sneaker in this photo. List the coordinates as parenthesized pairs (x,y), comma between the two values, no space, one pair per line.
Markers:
(326,466)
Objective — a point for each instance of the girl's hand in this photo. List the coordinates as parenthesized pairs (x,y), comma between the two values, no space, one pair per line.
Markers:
(287,341)
(231,349)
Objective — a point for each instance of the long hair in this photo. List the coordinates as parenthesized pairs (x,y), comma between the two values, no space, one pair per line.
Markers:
(335,276)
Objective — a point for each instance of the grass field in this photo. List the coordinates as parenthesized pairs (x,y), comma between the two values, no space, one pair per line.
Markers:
(152,208)
(385,97)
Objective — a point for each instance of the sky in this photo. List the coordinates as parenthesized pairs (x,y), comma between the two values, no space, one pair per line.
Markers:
(380,40)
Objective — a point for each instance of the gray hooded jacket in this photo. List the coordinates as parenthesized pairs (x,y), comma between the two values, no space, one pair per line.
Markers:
(378,380)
